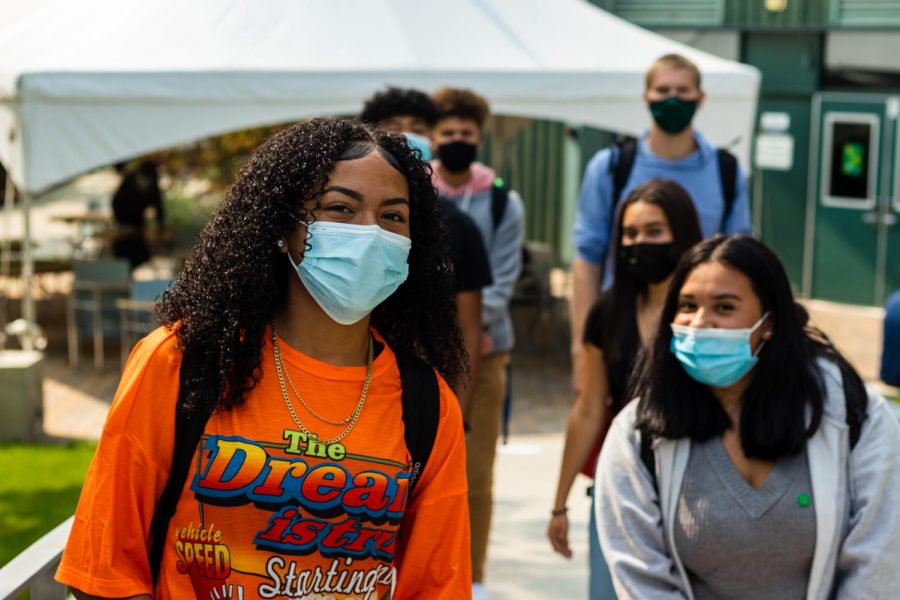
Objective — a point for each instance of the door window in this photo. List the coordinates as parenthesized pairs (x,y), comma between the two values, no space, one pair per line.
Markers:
(851,160)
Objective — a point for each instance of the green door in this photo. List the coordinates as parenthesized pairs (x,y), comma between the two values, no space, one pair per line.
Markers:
(779,195)
(890,219)
(854,140)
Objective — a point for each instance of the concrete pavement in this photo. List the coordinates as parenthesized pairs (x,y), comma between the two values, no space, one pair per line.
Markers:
(521,564)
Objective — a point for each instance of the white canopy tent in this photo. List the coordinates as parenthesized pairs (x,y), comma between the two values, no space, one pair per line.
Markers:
(88,83)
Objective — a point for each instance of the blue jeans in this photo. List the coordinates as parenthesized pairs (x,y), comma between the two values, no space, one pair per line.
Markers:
(600,580)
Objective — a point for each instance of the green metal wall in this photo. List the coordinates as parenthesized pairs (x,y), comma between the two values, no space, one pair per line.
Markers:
(801,14)
(865,13)
(666,13)
(753,14)
(532,162)
(544,162)
(791,73)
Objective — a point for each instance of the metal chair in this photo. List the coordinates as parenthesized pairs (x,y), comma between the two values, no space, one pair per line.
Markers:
(136,312)
(532,290)
(96,287)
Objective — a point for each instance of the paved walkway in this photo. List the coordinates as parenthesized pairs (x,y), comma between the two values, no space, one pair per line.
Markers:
(521,564)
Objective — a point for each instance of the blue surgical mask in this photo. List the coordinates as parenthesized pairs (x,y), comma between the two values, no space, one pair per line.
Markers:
(351,269)
(420,143)
(715,357)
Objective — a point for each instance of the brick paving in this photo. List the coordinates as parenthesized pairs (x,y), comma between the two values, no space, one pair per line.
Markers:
(76,400)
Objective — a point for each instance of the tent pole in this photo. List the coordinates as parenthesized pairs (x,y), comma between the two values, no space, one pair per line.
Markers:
(5,252)
(28,312)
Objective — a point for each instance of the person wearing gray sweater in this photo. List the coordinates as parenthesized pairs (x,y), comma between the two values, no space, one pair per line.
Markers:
(470,185)
(754,463)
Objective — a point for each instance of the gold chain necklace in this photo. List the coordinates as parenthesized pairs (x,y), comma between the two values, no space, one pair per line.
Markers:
(281,371)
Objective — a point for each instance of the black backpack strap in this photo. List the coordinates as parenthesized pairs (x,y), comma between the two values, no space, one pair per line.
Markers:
(728,178)
(421,411)
(620,165)
(189,425)
(856,399)
(648,459)
(499,200)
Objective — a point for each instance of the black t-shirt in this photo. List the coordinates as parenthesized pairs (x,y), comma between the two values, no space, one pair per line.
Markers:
(471,268)
(137,191)
(619,359)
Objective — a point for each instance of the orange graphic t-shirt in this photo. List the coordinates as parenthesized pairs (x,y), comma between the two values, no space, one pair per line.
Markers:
(269,510)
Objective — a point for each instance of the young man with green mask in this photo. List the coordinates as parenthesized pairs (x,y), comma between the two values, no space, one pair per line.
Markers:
(670,149)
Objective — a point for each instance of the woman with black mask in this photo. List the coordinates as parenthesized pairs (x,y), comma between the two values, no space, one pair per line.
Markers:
(656,224)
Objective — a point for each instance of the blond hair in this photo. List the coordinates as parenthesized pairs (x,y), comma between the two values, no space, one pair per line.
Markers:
(671,61)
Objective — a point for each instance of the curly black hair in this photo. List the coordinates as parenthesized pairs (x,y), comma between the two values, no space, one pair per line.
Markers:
(394,102)
(235,277)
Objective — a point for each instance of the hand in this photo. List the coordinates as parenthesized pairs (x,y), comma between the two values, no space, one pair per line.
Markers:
(577,366)
(558,532)
(487,343)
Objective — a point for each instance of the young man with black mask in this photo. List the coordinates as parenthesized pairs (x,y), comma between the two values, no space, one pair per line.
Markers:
(671,149)
(413,113)
(499,215)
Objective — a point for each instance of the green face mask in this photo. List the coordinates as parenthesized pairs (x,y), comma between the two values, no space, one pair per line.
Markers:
(673,114)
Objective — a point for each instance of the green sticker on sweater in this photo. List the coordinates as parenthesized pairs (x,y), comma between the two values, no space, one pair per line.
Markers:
(803,500)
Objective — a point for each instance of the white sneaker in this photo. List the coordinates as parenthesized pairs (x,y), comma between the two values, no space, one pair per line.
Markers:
(479,592)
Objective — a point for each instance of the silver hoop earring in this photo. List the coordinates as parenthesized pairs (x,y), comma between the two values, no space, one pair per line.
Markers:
(279,244)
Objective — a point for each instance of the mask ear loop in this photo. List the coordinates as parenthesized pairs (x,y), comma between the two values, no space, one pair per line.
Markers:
(754,328)
(290,258)
(308,237)
(760,322)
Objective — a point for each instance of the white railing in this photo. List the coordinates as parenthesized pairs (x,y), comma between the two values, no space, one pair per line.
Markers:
(33,569)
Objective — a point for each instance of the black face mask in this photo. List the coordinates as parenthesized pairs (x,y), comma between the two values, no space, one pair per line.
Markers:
(651,263)
(457,156)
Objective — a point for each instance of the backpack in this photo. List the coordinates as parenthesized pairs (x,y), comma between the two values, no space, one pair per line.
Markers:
(420,398)
(499,200)
(855,399)
(622,162)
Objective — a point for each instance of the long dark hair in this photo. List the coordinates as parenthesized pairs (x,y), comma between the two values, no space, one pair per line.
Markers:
(783,404)
(235,278)
(679,209)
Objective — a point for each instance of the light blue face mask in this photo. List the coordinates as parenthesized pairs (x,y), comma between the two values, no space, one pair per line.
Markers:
(420,143)
(715,357)
(351,269)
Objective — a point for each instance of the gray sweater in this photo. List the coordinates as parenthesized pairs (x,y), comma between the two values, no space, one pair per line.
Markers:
(504,251)
(722,522)
(856,495)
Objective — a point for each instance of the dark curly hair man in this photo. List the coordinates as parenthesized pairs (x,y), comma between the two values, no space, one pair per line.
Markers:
(399,110)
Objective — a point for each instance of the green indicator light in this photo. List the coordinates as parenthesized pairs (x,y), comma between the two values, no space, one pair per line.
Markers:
(852,159)
(803,500)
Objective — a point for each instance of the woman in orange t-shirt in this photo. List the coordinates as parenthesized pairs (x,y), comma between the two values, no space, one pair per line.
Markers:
(326,258)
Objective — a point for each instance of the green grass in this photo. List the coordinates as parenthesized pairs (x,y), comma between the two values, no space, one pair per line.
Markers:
(39,489)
